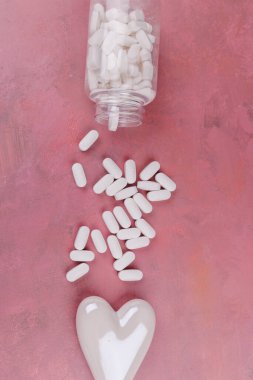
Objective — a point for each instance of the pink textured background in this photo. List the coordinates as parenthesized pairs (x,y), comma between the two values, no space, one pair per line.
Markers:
(198,272)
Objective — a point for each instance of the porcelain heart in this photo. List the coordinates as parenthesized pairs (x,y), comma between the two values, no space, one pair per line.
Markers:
(114,343)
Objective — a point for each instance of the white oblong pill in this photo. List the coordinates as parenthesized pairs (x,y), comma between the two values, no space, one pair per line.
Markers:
(122,263)
(103,183)
(81,238)
(132,208)
(130,171)
(122,217)
(110,222)
(143,203)
(140,242)
(145,55)
(129,233)
(116,186)
(130,275)
(88,140)
(147,70)
(100,9)
(112,168)
(143,40)
(157,196)
(79,175)
(113,122)
(150,170)
(137,15)
(77,272)
(82,256)
(114,246)
(166,182)
(145,228)
(126,193)
(98,241)
(148,185)
(94,21)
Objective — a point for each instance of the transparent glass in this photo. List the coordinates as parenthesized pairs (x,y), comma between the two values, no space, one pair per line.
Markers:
(122,59)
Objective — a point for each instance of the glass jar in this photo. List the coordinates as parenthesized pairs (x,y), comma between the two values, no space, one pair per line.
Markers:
(122,59)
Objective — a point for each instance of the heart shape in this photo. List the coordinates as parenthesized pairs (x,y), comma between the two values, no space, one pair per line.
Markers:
(114,343)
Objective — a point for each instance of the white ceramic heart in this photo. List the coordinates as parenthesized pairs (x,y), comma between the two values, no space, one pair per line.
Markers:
(114,343)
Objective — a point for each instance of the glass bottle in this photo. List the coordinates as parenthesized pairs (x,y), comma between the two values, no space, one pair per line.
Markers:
(122,59)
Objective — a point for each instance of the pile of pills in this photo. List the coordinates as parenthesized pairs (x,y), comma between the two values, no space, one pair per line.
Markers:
(120,50)
(125,223)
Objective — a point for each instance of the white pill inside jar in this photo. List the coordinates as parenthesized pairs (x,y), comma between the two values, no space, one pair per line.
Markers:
(112,168)
(147,71)
(157,196)
(82,256)
(79,175)
(138,243)
(129,233)
(77,272)
(110,222)
(143,40)
(150,170)
(117,14)
(166,182)
(98,7)
(137,15)
(88,140)
(148,185)
(126,193)
(130,275)
(145,228)
(116,186)
(133,53)
(98,241)
(130,171)
(145,55)
(103,183)
(132,208)
(143,203)
(114,247)
(122,217)
(114,114)
(81,238)
(124,262)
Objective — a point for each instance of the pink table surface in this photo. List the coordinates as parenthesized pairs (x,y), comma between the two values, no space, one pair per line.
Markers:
(198,272)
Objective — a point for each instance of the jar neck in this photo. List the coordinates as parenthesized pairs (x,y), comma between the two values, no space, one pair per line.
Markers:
(125,105)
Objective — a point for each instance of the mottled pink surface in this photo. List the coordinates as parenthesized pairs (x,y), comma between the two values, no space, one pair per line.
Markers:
(198,272)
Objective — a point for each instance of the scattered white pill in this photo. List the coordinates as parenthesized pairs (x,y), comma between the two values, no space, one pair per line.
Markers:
(130,171)
(112,168)
(145,228)
(157,196)
(143,203)
(116,186)
(114,116)
(166,182)
(110,222)
(122,217)
(148,185)
(140,242)
(132,208)
(122,263)
(129,233)
(143,40)
(150,170)
(88,140)
(77,272)
(114,246)
(98,241)
(103,183)
(126,193)
(130,275)
(79,175)
(81,238)
(82,256)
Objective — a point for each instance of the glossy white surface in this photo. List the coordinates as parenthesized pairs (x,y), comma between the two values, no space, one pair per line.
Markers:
(114,343)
